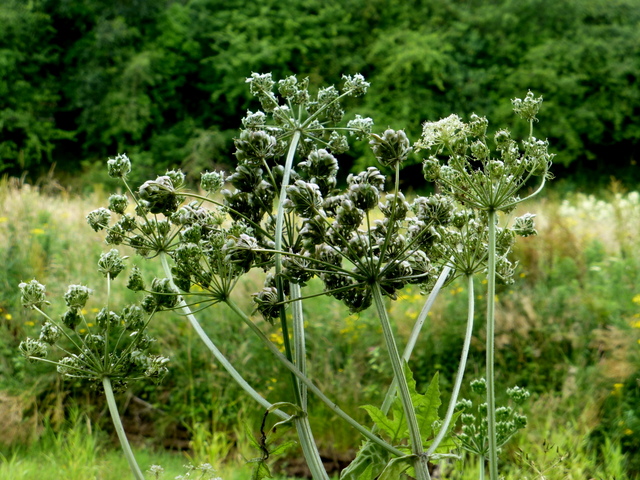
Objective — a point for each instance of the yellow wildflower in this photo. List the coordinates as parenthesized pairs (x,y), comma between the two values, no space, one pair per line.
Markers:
(628,431)
(3,219)
(636,299)
(37,231)
(636,324)
(29,323)
(8,316)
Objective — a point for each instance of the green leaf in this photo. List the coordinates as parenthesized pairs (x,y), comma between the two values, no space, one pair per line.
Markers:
(396,467)
(261,471)
(249,433)
(368,464)
(392,427)
(427,406)
(283,447)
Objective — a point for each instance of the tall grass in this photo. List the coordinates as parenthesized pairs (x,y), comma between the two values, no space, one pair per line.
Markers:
(568,330)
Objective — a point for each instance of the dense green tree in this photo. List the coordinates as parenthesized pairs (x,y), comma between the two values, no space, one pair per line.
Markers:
(28,90)
(164,81)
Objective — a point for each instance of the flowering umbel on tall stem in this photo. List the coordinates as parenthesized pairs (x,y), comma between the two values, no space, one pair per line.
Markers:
(281,210)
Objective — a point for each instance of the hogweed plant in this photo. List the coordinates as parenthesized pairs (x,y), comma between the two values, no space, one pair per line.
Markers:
(283,212)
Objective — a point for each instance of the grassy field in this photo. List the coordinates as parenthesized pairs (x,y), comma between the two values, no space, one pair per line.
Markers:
(568,330)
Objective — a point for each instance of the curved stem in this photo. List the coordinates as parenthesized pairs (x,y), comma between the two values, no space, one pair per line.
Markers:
(413,338)
(122,436)
(491,303)
(310,385)
(214,350)
(421,468)
(458,382)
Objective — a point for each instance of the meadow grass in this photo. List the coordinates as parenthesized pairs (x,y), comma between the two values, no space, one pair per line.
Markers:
(568,330)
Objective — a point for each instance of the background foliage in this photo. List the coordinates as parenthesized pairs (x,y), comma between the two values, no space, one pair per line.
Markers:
(568,330)
(85,79)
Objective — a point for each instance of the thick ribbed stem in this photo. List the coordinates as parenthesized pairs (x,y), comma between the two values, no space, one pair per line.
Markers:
(491,305)
(420,465)
(307,442)
(311,386)
(299,345)
(413,338)
(122,436)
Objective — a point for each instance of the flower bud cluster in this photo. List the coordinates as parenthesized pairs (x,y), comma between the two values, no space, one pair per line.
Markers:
(112,344)
(527,108)
(329,233)
(161,195)
(33,294)
(474,435)
(474,177)
(119,167)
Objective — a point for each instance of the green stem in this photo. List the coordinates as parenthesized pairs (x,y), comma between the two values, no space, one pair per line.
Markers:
(307,442)
(491,305)
(278,254)
(421,468)
(458,382)
(310,385)
(415,333)
(303,427)
(214,350)
(122,436)
(299,345)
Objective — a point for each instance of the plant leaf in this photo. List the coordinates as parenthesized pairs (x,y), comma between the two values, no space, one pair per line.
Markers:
(427,406)
(392,427)
(261,471)
(396,467)
(368,464)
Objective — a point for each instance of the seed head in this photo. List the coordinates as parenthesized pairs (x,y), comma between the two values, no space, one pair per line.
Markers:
(33,294)
(99,219)
(212,182)
(71,318)
(111,263)
(118,203)
(77,296)
(355,85)
(392,148)
(360,127)
(135,282)
(119,167)
(33,349)
(525,225)
(528,107)
(50,333)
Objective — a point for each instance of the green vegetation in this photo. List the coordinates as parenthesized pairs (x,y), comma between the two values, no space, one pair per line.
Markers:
(162,81)
(344,393)
(577,350)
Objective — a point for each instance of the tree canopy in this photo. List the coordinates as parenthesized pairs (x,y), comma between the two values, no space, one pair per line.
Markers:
(164,81)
